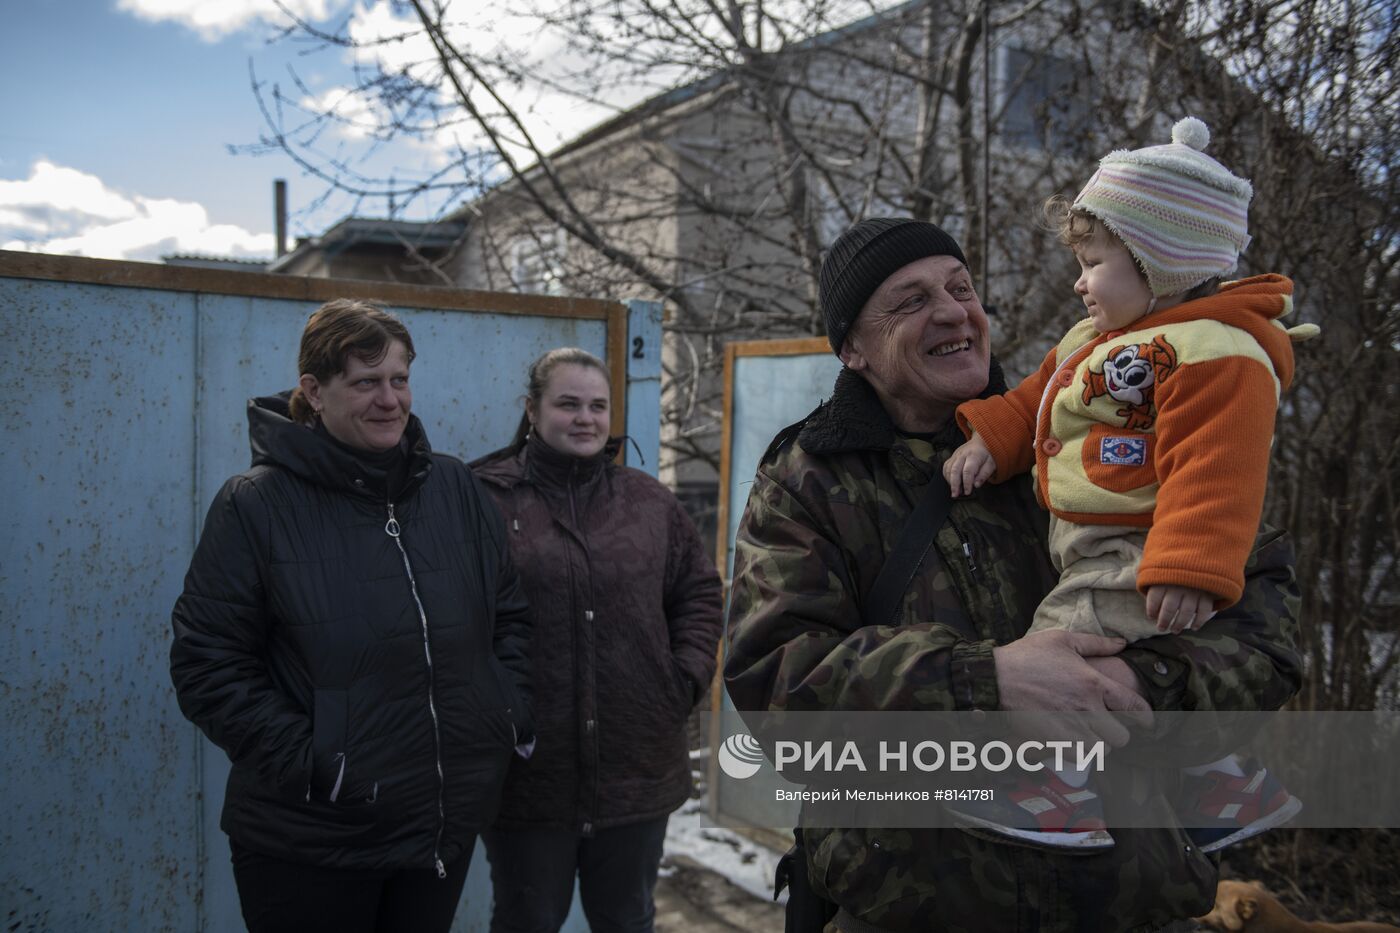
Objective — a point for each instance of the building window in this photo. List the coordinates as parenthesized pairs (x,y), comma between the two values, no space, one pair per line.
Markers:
(537,263)
(1046,103)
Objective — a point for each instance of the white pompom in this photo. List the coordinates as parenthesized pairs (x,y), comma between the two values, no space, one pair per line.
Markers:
(1192,132)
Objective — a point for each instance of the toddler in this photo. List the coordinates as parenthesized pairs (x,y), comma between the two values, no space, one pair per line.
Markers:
(1148,429)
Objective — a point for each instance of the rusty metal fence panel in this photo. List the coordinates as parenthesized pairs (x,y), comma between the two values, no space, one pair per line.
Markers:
(100,771)
(124,390)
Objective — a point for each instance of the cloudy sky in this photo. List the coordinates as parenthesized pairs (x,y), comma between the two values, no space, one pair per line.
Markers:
(119,116)
(130,127)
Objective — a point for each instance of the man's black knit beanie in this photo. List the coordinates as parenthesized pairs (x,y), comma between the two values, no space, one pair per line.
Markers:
(864,256)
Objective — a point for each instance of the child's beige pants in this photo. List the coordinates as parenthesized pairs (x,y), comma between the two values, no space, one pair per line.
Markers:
(1097,592)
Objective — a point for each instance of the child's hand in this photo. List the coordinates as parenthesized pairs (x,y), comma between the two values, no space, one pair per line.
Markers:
(1179,608)
(969,467)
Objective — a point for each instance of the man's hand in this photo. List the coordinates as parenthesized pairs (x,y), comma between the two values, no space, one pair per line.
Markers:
(969,467)
(1179,608)
(1118,671)
(1049,671)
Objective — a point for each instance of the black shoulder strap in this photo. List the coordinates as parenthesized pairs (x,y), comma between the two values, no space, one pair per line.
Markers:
(915,538)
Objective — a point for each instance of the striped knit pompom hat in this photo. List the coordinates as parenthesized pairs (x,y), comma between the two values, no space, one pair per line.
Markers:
(1180,213)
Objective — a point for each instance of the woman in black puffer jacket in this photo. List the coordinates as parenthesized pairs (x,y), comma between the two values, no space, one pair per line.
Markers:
(627,613)
(353,634)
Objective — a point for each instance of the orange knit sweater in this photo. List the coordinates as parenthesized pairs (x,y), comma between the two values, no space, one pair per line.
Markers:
(1166,425)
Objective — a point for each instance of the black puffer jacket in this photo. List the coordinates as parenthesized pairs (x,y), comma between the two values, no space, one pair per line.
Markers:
(627,615)
(369,689)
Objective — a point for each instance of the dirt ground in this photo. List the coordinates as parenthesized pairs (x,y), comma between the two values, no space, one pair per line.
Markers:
(1334,875)
(693,899)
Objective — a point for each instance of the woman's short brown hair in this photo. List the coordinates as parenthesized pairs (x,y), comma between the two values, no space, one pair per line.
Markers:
(336,331)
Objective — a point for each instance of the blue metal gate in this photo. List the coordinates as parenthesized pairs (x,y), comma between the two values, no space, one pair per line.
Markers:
(124,389)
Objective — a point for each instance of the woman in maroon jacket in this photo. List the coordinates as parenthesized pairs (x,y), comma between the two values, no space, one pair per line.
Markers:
(627,617)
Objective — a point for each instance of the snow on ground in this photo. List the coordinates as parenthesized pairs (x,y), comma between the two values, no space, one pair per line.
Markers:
(692,833)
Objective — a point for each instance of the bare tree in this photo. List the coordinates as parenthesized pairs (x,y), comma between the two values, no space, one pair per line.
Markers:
(765,127)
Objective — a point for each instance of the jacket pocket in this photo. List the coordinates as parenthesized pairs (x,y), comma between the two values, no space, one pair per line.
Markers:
(517,715)
(1118,460)
(672,683)
(329,725)
(334,778)
(681,685)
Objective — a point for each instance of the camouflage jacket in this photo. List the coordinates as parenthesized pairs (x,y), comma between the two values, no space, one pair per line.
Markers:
(826,507)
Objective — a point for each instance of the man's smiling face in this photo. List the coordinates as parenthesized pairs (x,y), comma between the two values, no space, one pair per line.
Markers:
(922,342)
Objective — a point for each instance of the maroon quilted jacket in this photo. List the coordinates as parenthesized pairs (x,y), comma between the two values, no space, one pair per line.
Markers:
(627,617)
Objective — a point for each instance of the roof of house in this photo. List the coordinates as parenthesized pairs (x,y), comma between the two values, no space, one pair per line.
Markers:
(194,260)
(675,97)
(352,232)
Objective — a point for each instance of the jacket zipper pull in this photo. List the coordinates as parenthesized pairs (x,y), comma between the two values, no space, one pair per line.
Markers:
(391,527)
(967,555)
(515,523)
(442,872)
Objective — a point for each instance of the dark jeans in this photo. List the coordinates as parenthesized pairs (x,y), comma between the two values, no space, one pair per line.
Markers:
(532,877)
(284,897)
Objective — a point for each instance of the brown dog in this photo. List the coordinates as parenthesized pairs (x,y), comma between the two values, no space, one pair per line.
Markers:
(1247,906)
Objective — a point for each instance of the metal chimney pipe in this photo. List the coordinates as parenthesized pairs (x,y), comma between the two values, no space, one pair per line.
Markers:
(279,197)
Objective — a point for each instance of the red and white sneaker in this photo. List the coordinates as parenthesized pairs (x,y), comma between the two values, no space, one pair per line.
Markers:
(1041,811)
(1226,808)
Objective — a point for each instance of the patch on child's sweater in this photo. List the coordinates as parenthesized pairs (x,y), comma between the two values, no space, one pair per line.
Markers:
(1123,451)
(1131,373)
